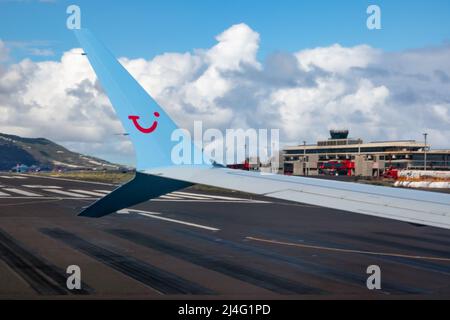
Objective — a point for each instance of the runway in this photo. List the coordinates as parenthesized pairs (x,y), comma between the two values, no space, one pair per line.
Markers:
(207,245)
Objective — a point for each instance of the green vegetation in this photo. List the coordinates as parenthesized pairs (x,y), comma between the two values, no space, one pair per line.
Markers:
(97,176)
(120,178)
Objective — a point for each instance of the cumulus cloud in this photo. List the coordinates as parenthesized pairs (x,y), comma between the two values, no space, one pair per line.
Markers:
(59,100)
(336,58)
(377,95)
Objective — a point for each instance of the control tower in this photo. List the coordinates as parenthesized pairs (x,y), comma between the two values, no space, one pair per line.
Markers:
(339,134)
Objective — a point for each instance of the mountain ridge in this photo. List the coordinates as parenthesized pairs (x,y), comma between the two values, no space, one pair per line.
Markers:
(44,153)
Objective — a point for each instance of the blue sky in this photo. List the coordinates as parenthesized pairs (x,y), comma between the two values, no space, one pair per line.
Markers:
(146,28)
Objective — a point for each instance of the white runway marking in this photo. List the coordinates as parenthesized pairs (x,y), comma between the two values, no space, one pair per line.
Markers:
(23,192)
(207,201)
(91,193)
(40,187)
(128,211)
(12,177)
(103,191)
(48,198)
(179,222)
(156,215)
(169,197)
(191,196)
(66,193)
(177,196)
(208,196)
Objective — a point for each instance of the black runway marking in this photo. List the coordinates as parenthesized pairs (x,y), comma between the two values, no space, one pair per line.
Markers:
(256,277)
(158,279)
(42,277)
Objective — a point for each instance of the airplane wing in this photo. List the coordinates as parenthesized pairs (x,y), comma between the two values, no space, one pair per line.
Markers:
(420,207)
(150,129)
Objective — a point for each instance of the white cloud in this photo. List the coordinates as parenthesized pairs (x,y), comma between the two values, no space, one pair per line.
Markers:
(376,95)
(336,58)
(237,46)
(58,100)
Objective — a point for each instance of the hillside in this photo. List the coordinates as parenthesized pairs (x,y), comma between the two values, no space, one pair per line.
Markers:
(46,154)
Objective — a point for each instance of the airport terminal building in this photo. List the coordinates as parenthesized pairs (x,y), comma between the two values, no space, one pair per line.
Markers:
(347,156)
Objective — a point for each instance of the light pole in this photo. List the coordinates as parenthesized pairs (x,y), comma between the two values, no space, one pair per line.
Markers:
(425,152)
(304,158)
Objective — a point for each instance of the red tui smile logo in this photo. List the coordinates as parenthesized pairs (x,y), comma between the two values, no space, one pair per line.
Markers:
(142,129)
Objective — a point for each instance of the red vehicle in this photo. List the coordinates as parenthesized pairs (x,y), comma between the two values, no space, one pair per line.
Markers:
(391,173)
(337,168)
(240,166)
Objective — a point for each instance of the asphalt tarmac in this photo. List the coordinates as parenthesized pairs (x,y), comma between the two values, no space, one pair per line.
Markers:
(207,245)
